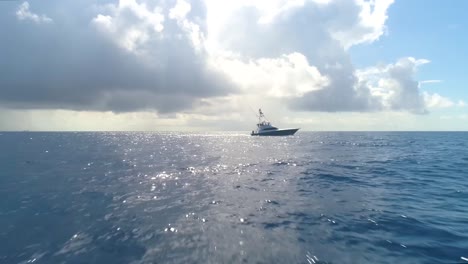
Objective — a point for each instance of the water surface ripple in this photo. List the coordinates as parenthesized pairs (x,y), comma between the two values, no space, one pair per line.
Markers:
(231,198)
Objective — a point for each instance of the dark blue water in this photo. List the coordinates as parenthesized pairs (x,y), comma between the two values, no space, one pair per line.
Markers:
(232,198)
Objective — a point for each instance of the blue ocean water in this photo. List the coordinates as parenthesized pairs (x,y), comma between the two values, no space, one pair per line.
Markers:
(323,197)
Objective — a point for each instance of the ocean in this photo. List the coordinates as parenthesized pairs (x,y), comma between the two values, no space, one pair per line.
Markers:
(316,197)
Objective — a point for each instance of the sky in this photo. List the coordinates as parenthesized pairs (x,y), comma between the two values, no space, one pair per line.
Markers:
(208,65)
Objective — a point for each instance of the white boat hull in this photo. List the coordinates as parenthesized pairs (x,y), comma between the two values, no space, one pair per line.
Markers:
(279,132)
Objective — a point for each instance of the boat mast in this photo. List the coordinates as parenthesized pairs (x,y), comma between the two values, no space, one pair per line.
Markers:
(260,115)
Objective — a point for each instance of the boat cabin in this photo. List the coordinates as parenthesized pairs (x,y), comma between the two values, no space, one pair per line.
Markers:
(265,126)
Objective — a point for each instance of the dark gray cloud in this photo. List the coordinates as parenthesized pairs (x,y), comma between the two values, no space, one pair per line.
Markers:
(70,64)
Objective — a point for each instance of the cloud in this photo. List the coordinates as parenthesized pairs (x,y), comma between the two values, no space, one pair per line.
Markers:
(368,26)
(287,76)
(122,57)
(203,55)
(131,24)
(430,81)
(257,52)
(437,101)
(396,88)
(23,13)
(260,35)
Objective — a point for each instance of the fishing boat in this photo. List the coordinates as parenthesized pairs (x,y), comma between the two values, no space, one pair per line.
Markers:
(265,128)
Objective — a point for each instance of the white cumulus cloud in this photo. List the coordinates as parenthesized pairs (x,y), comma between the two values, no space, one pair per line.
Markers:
(369,27)
(437,101)
(290,75)
(395,86)
(131,24)
(298,51)
(24,13)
